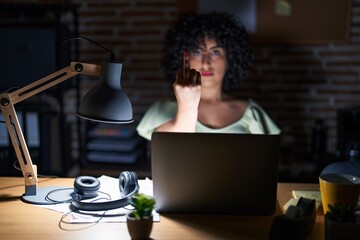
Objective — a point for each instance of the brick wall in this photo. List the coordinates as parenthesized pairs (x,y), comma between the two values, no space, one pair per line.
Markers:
(134,31)
(296,84)
(300,83)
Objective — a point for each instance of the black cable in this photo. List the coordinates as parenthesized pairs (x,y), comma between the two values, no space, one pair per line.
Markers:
(48,198)
(10,89)
(88,224)
(112,55)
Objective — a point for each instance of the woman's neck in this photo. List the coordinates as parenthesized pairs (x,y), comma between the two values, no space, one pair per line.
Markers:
(211,95)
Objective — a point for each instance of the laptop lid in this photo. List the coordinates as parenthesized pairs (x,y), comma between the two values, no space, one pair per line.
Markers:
(215,173)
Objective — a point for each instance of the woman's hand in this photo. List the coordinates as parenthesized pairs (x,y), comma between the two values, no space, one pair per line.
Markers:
(187,86)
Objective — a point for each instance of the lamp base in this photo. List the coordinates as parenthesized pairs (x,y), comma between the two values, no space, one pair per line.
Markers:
(49,195)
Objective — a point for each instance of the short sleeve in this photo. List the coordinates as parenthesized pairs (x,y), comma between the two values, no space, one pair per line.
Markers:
(158,113)
(262,118)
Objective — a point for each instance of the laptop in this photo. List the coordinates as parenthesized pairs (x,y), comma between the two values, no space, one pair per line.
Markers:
(212,173)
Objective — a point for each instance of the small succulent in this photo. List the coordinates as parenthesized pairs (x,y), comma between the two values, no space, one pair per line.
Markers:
(143,205)
(341,213)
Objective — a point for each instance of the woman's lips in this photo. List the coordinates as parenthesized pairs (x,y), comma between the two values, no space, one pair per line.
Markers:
(206,74)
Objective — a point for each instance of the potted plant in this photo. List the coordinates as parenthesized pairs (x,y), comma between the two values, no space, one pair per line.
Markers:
(341,222)
(140,219)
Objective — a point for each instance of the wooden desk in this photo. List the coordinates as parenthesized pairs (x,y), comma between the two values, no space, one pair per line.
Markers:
(19,220)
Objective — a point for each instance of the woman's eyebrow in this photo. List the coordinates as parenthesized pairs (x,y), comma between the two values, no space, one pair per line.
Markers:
(216,46)
(203,48)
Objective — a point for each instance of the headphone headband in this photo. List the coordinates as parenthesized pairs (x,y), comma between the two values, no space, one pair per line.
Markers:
(86,186)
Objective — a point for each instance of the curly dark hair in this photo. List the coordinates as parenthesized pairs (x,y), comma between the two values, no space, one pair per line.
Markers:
(189,33)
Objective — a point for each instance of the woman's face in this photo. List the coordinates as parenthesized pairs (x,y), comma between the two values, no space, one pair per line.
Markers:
(210,61)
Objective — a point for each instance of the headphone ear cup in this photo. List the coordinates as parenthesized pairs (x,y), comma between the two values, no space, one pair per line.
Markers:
(128,183)
(86,187)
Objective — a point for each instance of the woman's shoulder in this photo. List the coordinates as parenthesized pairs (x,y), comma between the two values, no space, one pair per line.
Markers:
(159,112)
(252,103)
(253,106)
(164,103)
(164,106)
(262,116)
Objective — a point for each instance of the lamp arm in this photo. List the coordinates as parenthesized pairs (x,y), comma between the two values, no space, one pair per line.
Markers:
(53,79)
(7,101)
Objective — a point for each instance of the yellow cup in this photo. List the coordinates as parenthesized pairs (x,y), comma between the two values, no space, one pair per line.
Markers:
(337,188)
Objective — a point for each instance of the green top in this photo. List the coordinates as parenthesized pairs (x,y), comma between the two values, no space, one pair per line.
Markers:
(251,122)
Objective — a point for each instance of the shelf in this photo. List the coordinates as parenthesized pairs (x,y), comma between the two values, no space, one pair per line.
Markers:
(110,149)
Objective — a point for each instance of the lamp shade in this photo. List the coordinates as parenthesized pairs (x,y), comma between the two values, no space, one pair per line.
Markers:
(106,102)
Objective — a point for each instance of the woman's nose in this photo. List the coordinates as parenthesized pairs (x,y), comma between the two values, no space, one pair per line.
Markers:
(206,60)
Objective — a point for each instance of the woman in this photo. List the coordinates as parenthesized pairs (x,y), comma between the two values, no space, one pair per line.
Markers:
(205,56)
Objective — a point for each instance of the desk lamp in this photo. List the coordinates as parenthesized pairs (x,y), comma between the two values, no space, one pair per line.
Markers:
(106,102)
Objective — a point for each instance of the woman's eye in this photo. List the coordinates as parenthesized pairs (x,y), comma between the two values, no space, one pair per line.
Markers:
(216,52)
(196,53)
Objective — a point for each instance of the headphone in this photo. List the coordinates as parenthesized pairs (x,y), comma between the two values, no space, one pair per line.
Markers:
(86,187)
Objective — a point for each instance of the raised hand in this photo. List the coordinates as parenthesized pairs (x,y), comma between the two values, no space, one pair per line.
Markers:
(187,87)
(187,76)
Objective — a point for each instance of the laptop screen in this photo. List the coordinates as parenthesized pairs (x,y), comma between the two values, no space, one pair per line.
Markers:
(215,173)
